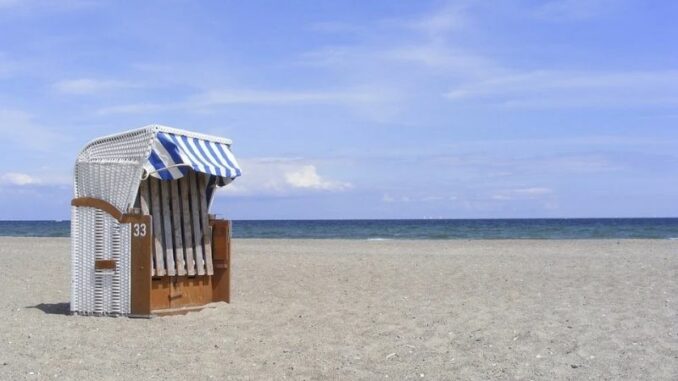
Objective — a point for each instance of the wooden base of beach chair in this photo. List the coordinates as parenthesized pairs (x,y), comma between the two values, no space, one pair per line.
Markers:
(167,295)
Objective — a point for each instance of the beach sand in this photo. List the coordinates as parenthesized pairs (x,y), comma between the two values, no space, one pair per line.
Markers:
(316,309)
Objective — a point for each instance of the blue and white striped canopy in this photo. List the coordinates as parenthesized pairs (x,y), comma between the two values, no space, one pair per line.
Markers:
(172,153)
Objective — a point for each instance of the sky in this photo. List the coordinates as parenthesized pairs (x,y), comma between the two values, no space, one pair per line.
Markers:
(357,109)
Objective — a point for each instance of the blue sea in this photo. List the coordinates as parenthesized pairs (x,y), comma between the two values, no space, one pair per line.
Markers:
(584,228)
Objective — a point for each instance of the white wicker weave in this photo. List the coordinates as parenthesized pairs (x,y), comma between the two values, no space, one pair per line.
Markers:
(109,168)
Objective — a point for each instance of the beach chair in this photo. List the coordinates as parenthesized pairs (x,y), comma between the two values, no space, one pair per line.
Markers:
(142,241)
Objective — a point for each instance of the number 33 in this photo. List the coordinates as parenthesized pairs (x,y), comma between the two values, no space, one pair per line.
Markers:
(139,230)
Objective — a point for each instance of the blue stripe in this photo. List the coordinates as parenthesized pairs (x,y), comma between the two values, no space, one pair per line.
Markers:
(225,166)
(158,164)
(237,170)
(212,159)
(197,156)
(203,157)
(189,154)
(209,155)
(173,150)
(170,147)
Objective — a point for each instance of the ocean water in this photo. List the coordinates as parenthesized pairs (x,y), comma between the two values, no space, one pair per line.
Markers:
(585,228)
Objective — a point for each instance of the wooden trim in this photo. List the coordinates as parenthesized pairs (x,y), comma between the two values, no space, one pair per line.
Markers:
(92,202)
(105,264)
(227,272)
(141,265)
(221,252)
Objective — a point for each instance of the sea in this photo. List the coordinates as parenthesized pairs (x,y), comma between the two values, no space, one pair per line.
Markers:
(441,229)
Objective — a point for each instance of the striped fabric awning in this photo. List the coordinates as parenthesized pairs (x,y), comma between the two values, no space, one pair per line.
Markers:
(172,153)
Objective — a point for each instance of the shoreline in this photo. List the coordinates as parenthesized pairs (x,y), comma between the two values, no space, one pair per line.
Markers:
(461,229)
(377,239)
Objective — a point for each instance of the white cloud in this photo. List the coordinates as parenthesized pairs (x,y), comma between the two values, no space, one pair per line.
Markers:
(307,177)
(20,179)
(372,101)
(7,66)
(389,198)
(244,96)
(409,71)
(425,40)
(522,193)
(377,94)
(42,177)
(573,89)
(430,55)
(374,63)
(281,177)
(46,4)
(82,86)
(564,10)
(335,27)
(442,57)
(19,127)
(355,97)
(441,21)
(137,108)
(567,80)
(535,191)
(10,3)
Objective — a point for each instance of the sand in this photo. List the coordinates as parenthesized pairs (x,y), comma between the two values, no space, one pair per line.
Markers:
(305,309)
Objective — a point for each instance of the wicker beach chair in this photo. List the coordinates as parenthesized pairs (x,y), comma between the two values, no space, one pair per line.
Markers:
(142,241)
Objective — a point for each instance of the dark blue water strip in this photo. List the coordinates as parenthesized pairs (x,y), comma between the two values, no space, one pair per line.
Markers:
(585,228)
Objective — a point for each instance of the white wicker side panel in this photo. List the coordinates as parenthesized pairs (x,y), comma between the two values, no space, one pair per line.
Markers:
(76,261)
(114,182)
(121,249)
(108,169)
(82,261)
(97,235)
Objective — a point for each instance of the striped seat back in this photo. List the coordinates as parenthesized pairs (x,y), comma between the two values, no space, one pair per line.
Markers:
(181,232)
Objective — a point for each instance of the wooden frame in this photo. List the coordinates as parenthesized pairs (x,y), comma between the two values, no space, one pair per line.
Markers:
(178,294)
(160,295)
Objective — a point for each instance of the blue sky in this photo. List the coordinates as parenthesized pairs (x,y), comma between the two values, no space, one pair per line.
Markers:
(384,109)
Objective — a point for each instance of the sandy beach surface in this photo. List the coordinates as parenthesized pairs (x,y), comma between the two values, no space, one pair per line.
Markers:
(331,309)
